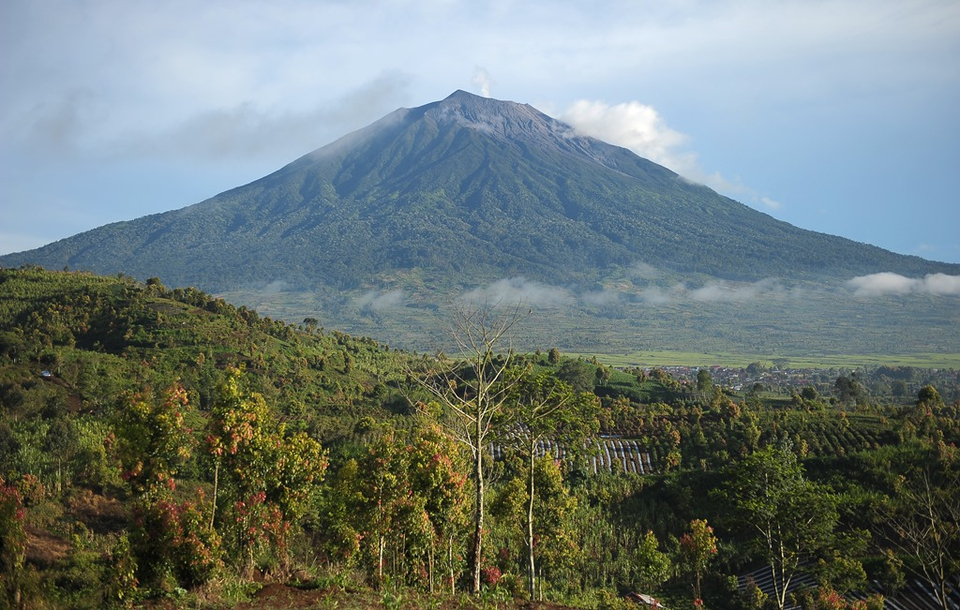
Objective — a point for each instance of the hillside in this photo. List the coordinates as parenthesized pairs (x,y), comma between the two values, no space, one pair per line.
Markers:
(471,194)
(162,448)
(103,336)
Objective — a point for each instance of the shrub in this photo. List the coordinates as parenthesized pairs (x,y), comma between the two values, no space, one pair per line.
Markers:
(13,542)
(176,539)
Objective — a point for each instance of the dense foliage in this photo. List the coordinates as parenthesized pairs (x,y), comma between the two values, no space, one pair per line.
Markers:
(159,443)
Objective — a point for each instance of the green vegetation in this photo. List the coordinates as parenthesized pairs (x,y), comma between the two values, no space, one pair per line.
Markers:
(162,447)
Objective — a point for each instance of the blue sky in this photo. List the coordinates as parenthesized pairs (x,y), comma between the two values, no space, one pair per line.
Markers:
(837,116)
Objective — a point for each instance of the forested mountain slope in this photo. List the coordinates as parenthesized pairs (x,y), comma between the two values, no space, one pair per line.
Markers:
(466,190)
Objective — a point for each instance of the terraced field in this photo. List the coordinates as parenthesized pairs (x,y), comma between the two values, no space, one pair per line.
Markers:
(608,453)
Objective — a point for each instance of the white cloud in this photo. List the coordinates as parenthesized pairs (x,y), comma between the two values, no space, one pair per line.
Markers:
(641,129)
(770,203)
(879,284)
(247,130)
(635,126)
(276,287)
(712,292)
(517,290)
(941,283)
(715,291)
(643,271)
(379,299)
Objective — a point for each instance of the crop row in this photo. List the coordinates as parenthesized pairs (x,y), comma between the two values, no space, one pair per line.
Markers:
(607,453)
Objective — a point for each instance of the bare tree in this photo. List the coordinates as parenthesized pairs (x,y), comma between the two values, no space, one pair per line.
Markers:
(474,392)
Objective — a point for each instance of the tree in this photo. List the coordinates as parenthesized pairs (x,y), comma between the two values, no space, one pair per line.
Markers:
(62,443)
(544,407)
(553,356)
(929,397)
(755,369)
(792,518)
(898,388)
(651,565)
(151,440)
(580,375)
(338,525)
(923,523)
(385,486)
(398,504)
(436,478)
(270,477)
(923,415)
(474,394)
(553,541)
(704,383)
(698,548)
(849,390)
(13,543)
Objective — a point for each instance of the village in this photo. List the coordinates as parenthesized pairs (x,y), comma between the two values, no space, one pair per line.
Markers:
(893,385)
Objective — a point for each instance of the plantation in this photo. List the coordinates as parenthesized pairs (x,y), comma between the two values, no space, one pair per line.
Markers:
(163,448)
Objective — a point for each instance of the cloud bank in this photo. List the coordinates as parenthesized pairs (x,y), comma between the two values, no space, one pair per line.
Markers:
(517,290)
(521,291)
(880,284)
(377,300)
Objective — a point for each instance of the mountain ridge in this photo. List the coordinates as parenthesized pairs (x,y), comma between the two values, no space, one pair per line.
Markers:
(461,193)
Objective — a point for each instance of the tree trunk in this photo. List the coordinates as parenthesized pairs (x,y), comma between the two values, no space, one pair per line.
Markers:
(453,584)
(478,518)
(216,481)
(531,560)
(780,595)
(381,542)
(430,556)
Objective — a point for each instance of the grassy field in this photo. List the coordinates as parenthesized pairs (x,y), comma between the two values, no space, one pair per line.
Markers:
(815,330)
(678,358)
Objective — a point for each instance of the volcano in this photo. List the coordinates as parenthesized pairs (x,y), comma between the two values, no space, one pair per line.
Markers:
(431,202)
